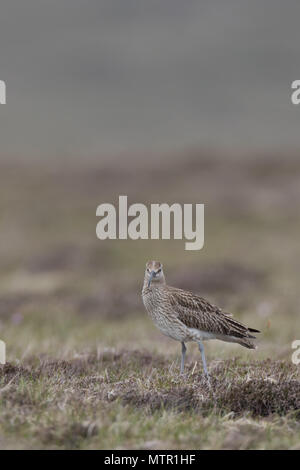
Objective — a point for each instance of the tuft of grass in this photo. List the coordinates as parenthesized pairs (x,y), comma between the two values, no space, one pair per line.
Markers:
(135,399)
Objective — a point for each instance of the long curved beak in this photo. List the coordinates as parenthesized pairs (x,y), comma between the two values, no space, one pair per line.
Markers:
(152,275)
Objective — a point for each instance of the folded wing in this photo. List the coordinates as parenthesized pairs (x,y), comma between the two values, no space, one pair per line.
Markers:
(196,312)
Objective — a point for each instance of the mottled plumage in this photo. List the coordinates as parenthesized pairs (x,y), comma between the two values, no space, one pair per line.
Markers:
(185,316)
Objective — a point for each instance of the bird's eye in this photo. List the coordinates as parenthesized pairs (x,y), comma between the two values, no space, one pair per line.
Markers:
(159,271)
(148,270)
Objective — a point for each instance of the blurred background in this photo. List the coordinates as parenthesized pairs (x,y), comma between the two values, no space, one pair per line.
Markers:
(165,101)
(110,77)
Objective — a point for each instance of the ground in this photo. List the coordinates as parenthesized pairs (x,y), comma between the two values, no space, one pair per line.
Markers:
(86,368)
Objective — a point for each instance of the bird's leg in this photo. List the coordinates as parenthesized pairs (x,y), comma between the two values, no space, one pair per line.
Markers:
(201,349)
(183,351)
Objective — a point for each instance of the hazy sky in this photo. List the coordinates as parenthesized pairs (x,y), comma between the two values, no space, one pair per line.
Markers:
(92,77)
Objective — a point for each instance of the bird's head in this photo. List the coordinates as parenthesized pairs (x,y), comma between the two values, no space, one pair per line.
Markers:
(154,273)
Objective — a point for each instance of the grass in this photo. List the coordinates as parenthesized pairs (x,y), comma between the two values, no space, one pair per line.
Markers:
(134,399)
(86,368)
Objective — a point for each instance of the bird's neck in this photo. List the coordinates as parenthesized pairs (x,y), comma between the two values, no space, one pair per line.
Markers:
(154,283)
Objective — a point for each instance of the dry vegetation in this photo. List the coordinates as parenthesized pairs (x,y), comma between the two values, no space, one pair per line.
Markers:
(129,399)
(86,367)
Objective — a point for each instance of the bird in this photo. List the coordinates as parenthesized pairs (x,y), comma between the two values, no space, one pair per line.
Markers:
(184,316)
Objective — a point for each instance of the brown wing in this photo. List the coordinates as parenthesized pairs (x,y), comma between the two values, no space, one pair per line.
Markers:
(196,312)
